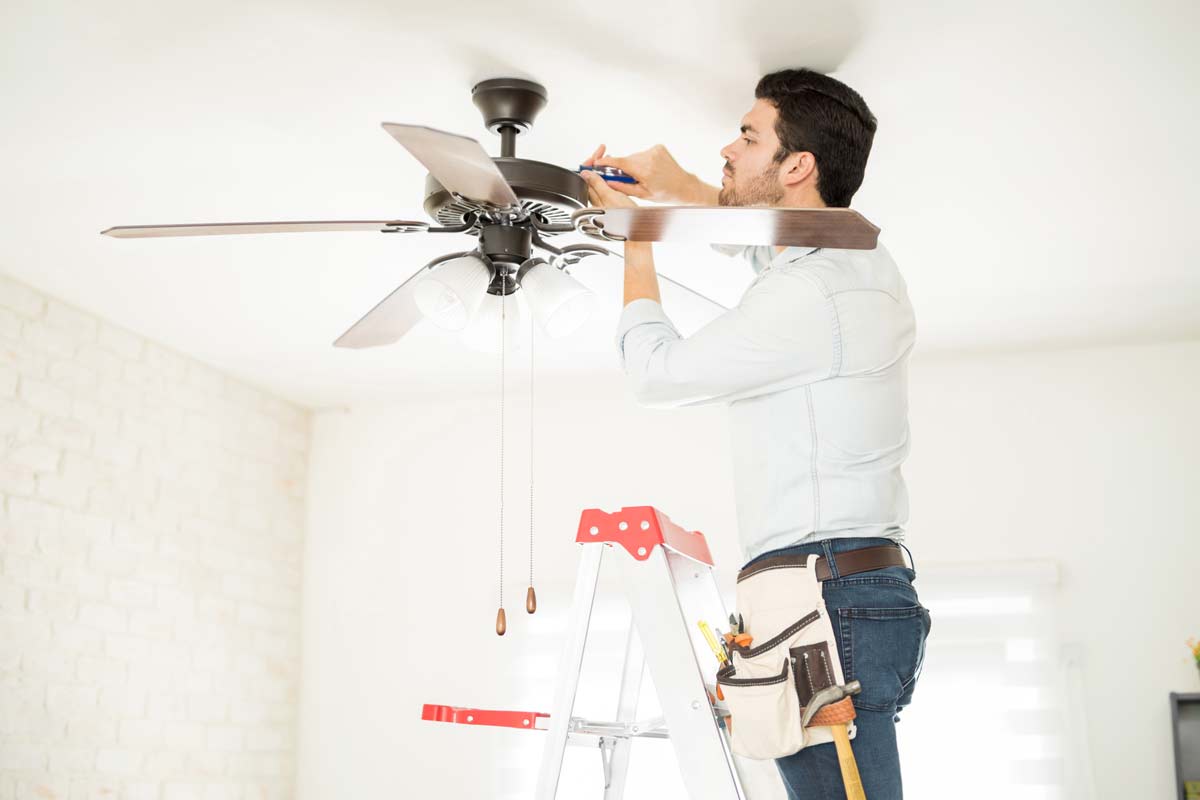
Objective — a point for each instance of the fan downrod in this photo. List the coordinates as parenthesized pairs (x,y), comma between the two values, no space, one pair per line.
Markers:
(509,107)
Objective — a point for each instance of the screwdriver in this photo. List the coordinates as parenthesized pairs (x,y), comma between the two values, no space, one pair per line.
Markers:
(717,649)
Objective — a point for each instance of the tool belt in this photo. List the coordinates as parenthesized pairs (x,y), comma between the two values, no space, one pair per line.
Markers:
(792,654)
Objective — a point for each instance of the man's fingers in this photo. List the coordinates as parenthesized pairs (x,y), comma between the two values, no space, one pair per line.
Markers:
(594,198)
(600,191)
(598,159)
(596,185)
(604,192)
(631,189)
(612,161)
(620,187)
(592,159)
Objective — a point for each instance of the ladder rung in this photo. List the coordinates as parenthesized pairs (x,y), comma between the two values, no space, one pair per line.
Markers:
(526,720)
(588,738)
(651,729)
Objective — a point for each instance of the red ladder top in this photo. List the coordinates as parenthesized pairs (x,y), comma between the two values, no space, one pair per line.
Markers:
(638,529)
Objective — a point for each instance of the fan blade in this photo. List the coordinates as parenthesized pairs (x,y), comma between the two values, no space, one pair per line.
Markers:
(692,291)
(220,228)
(392,317)
(458,163)
(838,228)
(593,248)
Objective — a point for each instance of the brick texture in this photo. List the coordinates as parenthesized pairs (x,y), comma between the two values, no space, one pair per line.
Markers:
(151,534)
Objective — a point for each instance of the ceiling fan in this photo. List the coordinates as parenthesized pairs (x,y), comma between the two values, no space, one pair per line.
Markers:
(513,205)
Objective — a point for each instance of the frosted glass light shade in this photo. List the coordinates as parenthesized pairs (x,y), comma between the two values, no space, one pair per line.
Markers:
(450,293)
(560,303)
(483,331)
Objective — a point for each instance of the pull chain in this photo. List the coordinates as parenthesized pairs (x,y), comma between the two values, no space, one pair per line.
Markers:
(501,622)
(531,596)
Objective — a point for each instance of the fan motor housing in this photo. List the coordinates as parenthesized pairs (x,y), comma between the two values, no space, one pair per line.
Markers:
(509,103)
(546,190)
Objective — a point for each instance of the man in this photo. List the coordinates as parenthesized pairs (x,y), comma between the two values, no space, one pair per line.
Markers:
(812,363)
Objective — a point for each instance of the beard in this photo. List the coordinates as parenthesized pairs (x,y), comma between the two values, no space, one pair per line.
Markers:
(763,190)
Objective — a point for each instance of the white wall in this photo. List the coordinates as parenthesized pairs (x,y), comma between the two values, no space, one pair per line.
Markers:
(151,520)
(1087,457)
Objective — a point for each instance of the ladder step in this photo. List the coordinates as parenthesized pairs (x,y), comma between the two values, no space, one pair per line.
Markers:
(655,728)
(583,731)
(529,720)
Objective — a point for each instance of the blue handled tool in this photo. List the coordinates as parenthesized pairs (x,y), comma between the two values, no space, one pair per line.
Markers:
(610,174)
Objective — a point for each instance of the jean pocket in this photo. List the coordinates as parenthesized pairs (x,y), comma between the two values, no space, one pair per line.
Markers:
(882,649)
(907,692)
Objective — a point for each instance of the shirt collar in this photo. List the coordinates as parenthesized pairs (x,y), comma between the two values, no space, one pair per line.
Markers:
(763,256)
(789,254)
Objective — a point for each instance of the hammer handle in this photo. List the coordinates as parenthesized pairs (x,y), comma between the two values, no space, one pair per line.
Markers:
(850,776)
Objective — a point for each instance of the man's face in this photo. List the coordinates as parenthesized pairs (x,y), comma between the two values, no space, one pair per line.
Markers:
(751,177)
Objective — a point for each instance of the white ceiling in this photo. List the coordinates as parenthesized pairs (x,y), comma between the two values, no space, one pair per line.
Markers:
(1033,172)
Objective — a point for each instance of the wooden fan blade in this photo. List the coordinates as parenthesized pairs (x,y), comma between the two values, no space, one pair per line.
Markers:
(221,228)
(839,228)
(458,163)
(392,317)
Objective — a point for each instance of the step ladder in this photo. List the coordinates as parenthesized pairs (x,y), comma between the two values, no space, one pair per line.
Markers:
(666,573)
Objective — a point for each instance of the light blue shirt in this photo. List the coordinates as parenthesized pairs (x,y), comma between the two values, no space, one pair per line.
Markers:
(813,364)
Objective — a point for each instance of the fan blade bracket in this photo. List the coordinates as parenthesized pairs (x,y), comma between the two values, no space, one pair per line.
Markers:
(588,222)
(405,226)
(571,254)
(553,227)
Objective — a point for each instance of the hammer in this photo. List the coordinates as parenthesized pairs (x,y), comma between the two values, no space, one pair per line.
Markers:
(832,706)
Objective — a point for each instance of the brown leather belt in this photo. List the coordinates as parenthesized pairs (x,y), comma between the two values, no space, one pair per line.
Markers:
(848,562)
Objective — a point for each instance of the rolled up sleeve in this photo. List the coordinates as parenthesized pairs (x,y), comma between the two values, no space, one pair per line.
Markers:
(782,334)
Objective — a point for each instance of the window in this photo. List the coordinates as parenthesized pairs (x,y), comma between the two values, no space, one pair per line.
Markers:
(997,711)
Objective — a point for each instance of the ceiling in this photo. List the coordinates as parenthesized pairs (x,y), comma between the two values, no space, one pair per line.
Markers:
(1033,171)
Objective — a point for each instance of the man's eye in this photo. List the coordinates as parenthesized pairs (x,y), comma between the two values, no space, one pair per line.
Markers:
(747,141)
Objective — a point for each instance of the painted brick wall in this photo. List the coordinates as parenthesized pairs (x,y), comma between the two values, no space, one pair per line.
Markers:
(151,534)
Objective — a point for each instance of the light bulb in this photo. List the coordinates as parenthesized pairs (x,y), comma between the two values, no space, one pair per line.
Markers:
(483,331)
(452,291)
(560,303)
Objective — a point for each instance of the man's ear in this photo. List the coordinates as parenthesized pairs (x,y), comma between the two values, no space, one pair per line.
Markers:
(797,168)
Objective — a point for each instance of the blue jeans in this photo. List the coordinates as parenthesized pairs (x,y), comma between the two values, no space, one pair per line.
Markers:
(881,628)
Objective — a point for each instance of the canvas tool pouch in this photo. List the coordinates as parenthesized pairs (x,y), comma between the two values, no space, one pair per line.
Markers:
(792,656)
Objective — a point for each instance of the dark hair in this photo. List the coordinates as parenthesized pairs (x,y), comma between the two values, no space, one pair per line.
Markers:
(827,118)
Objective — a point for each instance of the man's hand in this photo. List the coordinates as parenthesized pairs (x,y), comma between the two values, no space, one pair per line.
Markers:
(659,177)
(602,195)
